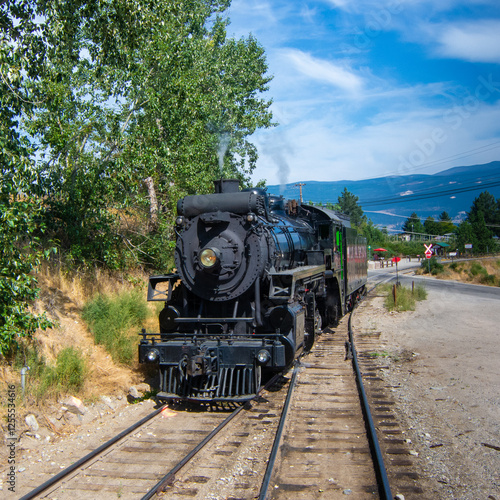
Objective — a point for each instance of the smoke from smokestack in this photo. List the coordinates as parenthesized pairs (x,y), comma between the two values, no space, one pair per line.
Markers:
(278,148)
(224,140)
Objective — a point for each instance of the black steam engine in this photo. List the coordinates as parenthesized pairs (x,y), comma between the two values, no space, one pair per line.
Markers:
(257,278)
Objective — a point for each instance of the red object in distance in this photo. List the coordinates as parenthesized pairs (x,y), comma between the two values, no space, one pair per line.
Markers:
(380,250)
(396,259)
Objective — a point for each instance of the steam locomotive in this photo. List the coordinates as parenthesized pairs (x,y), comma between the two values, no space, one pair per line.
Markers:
(257,278)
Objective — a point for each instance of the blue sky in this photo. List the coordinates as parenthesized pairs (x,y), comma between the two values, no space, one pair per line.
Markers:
(366,88)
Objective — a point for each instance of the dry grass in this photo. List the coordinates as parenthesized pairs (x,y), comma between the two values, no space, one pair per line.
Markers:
(482,272)
(63,297)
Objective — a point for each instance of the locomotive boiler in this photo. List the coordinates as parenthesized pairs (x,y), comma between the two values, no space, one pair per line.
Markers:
(257,277)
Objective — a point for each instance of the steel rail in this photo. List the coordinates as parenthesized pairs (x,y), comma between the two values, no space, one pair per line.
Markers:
(169,475)
(274,452)
(53,480)
(380,471)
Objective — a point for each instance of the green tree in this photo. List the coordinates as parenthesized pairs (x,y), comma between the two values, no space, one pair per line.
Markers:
(486,205)
(466,236)
(374,236)
(138,104)
(431,226)
(445,224)
(413,225)
(484,237)
(19,210)
(348,204)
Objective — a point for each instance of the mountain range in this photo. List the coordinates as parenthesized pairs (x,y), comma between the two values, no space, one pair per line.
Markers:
(389,201)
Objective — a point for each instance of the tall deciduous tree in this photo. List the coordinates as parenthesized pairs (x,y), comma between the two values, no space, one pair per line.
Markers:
(132,90)
(19,210)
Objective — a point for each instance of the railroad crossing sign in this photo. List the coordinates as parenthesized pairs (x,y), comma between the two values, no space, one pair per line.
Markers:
(428,250)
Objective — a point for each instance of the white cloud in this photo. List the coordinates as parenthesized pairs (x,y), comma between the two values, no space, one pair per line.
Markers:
(477,41)
(325,71)
(329,147)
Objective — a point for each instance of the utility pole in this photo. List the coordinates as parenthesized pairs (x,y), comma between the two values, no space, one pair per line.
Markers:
(300,184)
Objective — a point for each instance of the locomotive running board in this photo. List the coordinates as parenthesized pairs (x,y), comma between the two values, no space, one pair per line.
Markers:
(283,283)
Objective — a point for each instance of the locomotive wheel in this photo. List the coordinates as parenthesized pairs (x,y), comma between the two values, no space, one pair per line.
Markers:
(310,337)
(318,322)
(309,341)
(332,308)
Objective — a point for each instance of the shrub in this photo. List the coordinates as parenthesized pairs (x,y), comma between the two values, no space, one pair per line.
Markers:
(43,380)
(432,264)
(454,266)
(68,374)
(488,279)
(405,297)
(111,320)
(477,268)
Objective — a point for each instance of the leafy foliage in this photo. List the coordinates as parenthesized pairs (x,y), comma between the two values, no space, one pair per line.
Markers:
(19,211)
(413,224)
(18,287)
(431,265)
(135,90)
(348,204)
(95,98)
(112,321)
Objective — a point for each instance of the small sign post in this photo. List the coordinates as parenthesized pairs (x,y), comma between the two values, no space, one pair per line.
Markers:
(396,260)
(428,254)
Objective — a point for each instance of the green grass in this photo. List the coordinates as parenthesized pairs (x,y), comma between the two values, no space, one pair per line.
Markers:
(406,299)
(476,268)
(44,380)
(68,374)
(114,322)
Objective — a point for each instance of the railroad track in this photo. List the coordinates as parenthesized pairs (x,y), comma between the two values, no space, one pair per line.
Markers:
(306,440)
(325,451)
(398,456)
(143,459)
(132,462)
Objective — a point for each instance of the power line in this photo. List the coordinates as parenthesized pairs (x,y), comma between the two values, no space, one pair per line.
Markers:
(423,196)
(458,156)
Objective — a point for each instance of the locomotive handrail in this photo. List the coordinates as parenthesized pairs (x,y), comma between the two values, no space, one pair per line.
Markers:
(212,320)
(247,336)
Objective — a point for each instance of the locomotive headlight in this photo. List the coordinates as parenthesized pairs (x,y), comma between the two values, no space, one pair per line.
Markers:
(251,217)
(209,258)
(152,356)
(263,357)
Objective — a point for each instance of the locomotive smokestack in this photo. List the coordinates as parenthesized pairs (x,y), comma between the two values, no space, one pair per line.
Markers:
(227,186)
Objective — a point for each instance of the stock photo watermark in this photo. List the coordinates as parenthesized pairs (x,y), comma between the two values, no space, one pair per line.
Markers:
(377,21)
(11,438)
(454,118)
